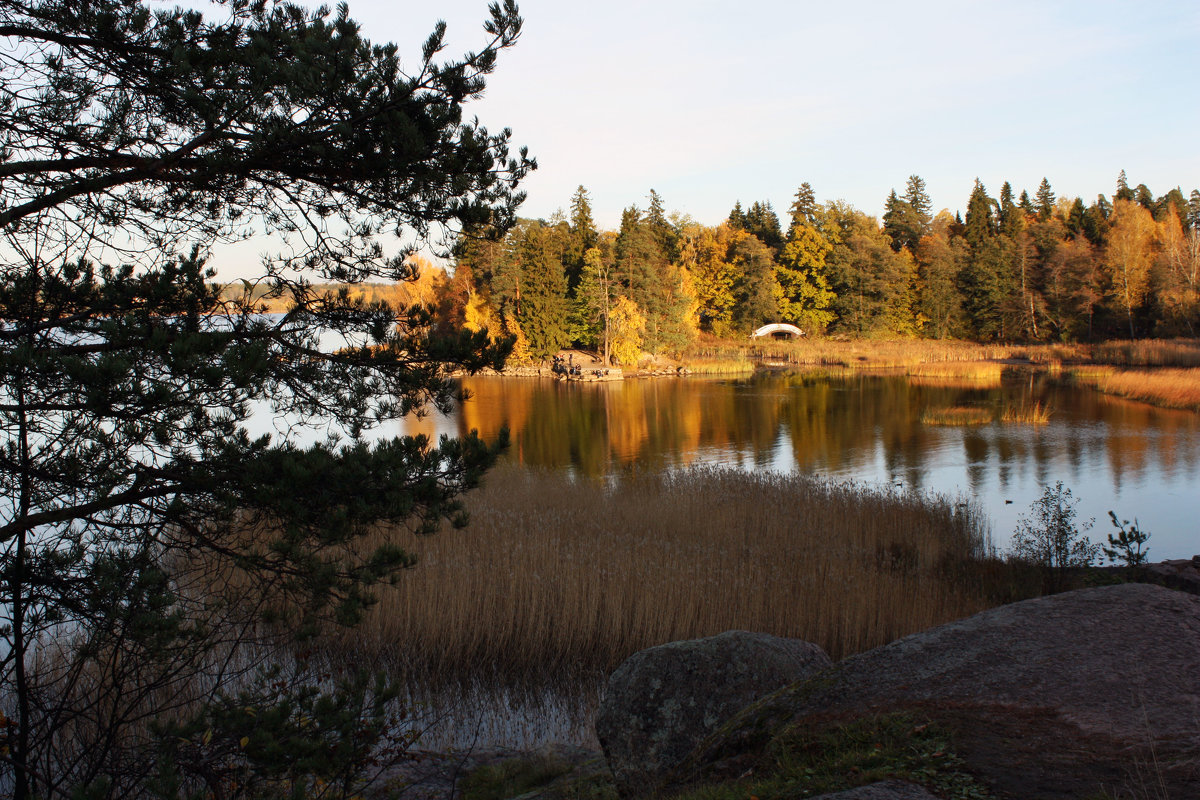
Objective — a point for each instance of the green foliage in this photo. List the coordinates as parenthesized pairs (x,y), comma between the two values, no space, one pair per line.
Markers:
(1049,536)
(517,776)
(809,760)
(153,544)
(1129,545)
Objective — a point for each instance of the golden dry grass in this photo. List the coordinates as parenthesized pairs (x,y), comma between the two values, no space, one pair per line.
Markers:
(978,373)
(1141,353)
(1173,388)
(1036,414)
(556,581)
(957,415)
(854,353)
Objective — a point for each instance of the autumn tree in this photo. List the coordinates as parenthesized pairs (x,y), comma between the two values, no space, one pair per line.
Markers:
(705,252)
(804,294)
(1128,258)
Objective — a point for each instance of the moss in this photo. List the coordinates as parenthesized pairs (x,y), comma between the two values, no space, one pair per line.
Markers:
(542,776)
(806,760)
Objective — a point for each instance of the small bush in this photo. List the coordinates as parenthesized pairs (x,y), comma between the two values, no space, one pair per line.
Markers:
(1049,536)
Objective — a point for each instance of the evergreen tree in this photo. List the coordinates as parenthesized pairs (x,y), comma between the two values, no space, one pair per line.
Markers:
(874,285)
(1123,191)
(1026,205)
(916,196)
(157,550)
(1144,197)
(543,308)
(663,231)
(762,221)
(737,217)
(756,291)
(1045,200)
(1012,218)
(583,237)
(940,257)
(985,281)
(804,207)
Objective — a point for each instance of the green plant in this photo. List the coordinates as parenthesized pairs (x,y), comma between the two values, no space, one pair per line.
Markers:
(814,759)
(1129,545)
(1049,536)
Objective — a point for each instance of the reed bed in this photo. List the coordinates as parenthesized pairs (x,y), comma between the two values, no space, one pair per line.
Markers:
(715,366)
(985,373)
(958,415)
(556,581)
(1173,388)
(854,353)
(1140,353)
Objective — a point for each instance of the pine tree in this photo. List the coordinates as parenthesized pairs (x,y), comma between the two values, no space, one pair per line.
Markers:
(159,550)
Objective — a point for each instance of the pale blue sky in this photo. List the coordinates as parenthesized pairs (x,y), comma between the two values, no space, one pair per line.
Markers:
(710,103)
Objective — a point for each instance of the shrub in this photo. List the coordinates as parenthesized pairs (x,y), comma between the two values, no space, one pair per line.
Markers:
(1049,536)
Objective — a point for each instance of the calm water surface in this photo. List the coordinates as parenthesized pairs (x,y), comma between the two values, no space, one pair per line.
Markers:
(1133,458)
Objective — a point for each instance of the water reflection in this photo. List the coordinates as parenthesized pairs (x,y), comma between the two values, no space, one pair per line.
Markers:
(1134,458)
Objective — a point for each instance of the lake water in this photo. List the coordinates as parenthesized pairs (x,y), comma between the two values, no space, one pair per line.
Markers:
(1133,458)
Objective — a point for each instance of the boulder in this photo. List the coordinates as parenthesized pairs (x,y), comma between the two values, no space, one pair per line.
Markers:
(1060,696)
(663,701)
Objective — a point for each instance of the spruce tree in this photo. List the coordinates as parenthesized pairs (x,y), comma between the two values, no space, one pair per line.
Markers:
(1123,191)
(1045,200)
(804,207)
(583,237)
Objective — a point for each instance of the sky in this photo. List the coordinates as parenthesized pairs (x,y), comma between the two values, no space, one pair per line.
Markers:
(710,103)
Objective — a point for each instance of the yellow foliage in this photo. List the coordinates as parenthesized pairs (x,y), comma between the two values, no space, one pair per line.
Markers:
(520,351)
(626,323)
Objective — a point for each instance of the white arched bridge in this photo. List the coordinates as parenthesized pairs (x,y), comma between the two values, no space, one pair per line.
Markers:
(778,330)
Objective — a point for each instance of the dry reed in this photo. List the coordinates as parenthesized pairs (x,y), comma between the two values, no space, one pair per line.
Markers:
(556,581)
(1173,388)
(854,353)
(957,415)
(1036,414)
(984,373)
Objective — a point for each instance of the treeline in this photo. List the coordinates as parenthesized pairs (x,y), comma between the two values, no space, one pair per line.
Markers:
(1017,268)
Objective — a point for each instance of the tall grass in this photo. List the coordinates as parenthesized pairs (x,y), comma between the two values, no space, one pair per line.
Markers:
(979,373)
(1173,388)
(853,353)
(556,581)
(1141,353)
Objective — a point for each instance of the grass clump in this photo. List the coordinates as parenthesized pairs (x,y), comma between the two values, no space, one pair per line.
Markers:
(808,760)
(1036,414)
(957,415)
(517,776)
